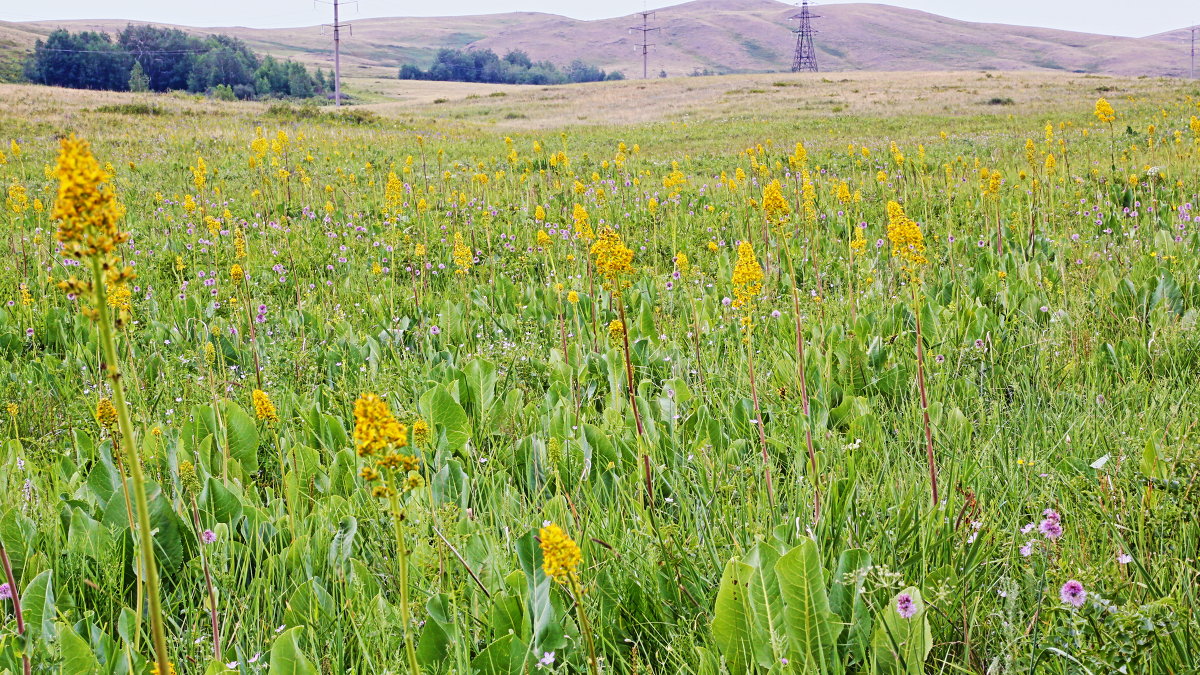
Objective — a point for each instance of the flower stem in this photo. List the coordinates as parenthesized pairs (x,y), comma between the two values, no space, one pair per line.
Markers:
(762,435)
(16,600)
(212,593)
(145,534)
(593,666)
(925,402)
(402,560)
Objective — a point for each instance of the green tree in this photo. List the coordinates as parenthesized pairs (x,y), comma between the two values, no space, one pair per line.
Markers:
(138,81)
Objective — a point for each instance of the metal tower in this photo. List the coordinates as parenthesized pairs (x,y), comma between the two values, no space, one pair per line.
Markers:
(806,55)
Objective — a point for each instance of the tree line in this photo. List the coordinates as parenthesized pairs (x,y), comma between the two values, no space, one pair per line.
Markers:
(484,65)
(149,58)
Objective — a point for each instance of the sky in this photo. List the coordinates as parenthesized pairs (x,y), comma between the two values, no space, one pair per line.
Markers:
(1110,17)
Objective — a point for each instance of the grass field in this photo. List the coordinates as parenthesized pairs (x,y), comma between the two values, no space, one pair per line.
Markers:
(849,373)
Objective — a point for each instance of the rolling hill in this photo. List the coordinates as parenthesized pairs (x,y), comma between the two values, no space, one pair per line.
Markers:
(726,36)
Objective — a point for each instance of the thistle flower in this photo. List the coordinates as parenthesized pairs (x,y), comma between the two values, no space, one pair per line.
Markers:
(374,426)
(747,276)
(264,409)
(560,554)
(905,606)
(1072,592)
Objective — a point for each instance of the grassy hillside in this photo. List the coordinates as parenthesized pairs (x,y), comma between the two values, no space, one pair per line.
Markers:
(723,36)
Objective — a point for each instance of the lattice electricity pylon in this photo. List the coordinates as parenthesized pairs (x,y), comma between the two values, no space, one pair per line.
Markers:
(805,58)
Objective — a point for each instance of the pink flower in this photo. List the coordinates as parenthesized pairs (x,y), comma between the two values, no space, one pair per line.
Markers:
(208,536)
(1050,529)
(905,606)
(1072,593)
(5,592)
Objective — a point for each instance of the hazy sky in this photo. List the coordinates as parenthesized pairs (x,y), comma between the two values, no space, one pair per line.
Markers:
(1113,17)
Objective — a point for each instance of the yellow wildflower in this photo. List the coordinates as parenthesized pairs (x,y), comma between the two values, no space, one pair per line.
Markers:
(560,554)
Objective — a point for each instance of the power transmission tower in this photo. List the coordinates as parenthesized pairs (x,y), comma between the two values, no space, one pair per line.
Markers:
(645,44)
(805,58)
(337,26)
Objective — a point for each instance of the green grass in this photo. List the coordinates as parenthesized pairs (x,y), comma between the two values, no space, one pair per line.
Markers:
(1060,349)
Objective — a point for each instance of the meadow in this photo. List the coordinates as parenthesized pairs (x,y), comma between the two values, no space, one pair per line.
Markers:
(882,373)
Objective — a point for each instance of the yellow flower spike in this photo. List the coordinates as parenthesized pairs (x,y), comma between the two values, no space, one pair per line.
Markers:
(560,553)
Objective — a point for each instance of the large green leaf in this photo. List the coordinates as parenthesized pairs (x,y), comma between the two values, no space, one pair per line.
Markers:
(241,436)
(37,602)
(342,547)
(900,645)
(766,606)
(449,420)
(310,604)
(286,656)
(505,656)
(547,632)
(219,503)
(481,382)
(811,628)
(439,634)
(732,626)
(845,600)
(77,654)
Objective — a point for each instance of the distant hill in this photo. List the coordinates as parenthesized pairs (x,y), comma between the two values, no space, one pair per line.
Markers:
(725,36)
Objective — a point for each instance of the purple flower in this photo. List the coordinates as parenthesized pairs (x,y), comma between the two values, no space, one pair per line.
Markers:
(1050,529)
(434,330)
(1124,558)
(208,536)
(5,592)
(1072,593)
(905,606)
(726,301)
(1027,549)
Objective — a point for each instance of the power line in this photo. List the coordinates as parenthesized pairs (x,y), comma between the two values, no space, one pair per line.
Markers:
(127,53)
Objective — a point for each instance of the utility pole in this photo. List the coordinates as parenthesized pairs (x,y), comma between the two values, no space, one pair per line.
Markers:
(1195,29)
(337,26)
(805,57)
(645,44)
